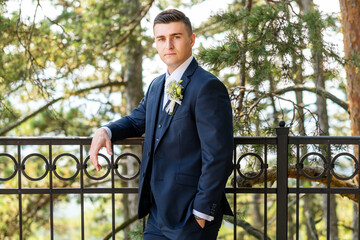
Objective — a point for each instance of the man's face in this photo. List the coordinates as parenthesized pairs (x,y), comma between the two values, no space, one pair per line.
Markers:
(173,43)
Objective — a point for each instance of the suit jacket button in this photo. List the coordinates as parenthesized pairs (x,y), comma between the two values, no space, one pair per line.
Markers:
(159,125)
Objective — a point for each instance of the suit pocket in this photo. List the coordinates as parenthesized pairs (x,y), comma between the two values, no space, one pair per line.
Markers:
(195,224)
(187,180)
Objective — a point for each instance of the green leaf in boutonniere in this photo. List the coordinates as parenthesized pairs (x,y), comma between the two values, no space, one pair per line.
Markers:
(174,93)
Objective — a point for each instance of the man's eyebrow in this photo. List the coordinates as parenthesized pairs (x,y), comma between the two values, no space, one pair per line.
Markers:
(173,34)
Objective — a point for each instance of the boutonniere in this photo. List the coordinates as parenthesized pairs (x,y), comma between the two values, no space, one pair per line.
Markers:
(173,91)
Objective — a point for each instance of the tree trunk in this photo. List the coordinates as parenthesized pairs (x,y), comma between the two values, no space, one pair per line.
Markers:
(309,218)
(307,6)
(334,232)
(350,17)
(355,223)
(276,113)
(298,79)
(133,95)
(291,222)
(248,5)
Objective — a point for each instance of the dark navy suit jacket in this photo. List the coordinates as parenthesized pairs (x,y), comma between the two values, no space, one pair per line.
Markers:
(193,156)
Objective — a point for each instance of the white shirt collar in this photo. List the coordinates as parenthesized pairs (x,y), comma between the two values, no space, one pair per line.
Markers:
(177,74)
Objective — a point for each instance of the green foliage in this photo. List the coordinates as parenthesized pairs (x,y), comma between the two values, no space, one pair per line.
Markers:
(164,4)
(2,5)
(48,58)
(136,234)
(268,45)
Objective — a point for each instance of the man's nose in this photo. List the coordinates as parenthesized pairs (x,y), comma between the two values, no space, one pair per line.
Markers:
(169,44)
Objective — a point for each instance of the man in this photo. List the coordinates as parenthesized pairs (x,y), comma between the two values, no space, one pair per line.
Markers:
(187,120)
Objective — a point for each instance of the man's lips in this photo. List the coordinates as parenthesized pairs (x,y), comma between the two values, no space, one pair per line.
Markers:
(169,54)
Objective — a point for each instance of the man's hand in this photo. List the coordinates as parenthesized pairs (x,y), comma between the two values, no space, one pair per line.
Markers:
(200,221)
(100,140)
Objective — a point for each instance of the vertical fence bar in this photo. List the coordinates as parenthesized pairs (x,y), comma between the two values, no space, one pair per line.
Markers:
(265,193)
(51,194)
(282,133)
(19,192)
(235,192)
(113,193)
(328,158)
(82,191)
(297,190)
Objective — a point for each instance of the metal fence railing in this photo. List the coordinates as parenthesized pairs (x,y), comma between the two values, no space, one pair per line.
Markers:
(273,168)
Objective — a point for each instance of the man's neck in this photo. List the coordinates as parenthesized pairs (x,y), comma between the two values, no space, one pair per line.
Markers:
(172,70)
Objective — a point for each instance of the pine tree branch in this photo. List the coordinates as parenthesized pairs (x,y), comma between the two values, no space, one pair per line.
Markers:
(292,173)
(21,120)
(319,91)
(247,227)
(260,96)
(300,87)
(136,22)
(121,227)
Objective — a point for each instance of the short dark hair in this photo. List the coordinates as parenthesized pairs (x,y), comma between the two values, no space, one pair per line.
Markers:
(173,15)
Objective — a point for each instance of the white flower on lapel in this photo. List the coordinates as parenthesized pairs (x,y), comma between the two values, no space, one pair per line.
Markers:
(173,91)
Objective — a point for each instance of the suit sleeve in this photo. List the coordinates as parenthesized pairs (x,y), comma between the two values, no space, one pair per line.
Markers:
(132,125)
(213,115)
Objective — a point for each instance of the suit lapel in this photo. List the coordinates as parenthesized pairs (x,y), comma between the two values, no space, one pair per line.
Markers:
(186,79)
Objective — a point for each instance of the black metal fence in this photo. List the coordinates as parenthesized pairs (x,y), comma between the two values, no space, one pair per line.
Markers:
(266,166)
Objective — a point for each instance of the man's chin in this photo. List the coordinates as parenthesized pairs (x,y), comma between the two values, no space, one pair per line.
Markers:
(170,59)
(171,63)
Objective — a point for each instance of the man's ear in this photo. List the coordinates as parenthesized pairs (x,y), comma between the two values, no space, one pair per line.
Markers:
(192,39)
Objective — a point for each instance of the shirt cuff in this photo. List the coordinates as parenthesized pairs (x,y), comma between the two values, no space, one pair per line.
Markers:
(108,131)
(203,215)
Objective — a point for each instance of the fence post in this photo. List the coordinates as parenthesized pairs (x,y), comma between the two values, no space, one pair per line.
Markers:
(282,134)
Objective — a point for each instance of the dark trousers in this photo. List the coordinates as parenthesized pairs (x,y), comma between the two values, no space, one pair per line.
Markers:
(156,230)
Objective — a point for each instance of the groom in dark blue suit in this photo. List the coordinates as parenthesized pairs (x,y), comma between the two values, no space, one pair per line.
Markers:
(187,158)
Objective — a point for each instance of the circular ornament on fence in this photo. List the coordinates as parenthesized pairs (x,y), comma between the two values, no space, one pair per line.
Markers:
(32,156)
(107,171)
(2,156)
(123,156)
(351,161)
(312,157)
(71,157)
(256,158)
